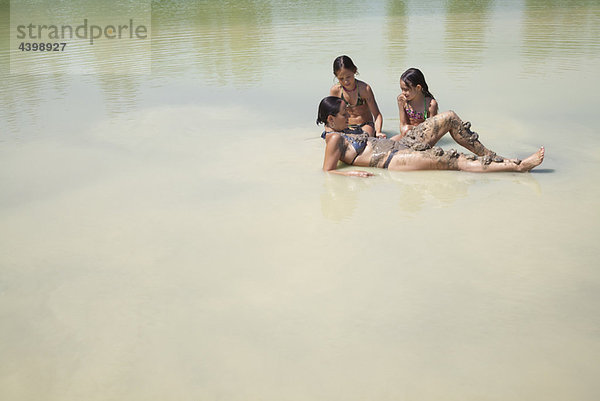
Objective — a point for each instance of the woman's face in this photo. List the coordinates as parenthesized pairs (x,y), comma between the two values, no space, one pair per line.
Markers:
(410,92)
(346,78)
(339,122)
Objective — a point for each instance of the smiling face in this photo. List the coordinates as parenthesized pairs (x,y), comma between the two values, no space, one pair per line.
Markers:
(339,122)
(346,78)
(410,92)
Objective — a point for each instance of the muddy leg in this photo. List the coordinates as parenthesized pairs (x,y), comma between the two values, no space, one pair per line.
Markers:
(462,134)
(437,159)
(485,164)
(428,133)
(431,159)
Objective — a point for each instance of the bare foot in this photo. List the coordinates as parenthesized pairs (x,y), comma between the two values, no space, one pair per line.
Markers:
(532,161)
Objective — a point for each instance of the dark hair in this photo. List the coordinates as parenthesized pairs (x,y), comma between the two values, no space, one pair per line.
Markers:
(343,62)
(329,106)
(414,77)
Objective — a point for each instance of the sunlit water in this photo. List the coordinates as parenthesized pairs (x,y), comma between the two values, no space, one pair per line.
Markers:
(169,235)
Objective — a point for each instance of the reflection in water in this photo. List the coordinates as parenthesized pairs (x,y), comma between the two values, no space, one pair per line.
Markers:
(441,190)
(9,108)
(339,200)
(38,78)
(242,43)
(89,33)
(396,36)
(289,11)
(4,35)
(464,40)
(564,32)
(22,100)
(413,192)
(227,41)
(418,193)
(121,92)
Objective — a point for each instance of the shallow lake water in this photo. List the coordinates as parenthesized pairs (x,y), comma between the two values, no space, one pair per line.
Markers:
(166,231)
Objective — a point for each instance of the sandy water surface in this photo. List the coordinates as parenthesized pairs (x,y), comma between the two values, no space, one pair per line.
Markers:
(166,231)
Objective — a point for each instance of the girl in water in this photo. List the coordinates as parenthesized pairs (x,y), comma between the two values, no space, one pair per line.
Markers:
(415,104)
(415,151)
(358,97)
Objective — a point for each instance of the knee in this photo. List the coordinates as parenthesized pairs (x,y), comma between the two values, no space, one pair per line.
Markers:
(453,120)
(447,116)
(452,115)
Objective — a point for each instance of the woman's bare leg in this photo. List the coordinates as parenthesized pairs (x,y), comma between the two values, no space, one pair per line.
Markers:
(421,160)
(452,160)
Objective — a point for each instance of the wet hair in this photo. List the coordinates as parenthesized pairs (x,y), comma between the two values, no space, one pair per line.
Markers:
(343,62)
(413,77)
(329,106)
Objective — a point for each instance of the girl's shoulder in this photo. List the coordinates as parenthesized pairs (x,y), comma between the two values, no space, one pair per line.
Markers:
(364,88)
(432,107)
(336,90)
(362,84)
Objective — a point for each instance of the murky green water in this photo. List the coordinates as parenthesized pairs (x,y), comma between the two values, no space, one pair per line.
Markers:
(166,231)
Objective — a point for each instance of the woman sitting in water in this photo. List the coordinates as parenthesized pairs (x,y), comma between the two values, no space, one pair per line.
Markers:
(363,112)
(412,152)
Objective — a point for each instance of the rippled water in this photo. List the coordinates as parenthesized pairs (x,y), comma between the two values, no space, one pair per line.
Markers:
(166,231)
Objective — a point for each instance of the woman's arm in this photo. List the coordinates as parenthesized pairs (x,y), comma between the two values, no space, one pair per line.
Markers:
(433,108)
(374,108)
(404,123)
(333,153)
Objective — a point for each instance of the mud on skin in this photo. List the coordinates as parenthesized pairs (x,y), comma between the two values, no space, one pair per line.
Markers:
(415,141)
(451,156)
(382,149)
(415,138)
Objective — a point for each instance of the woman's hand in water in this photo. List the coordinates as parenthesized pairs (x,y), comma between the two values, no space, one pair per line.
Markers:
(354,173)
(358,173)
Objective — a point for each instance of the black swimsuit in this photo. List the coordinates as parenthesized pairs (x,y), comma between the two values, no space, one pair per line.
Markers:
(381,147)
(359,102)
(356,128)
(357,140)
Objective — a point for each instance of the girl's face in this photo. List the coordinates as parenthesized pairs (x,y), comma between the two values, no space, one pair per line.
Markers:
(410,92)
(346,78)
(340,120)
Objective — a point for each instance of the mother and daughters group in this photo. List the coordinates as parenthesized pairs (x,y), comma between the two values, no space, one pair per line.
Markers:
(353,133)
